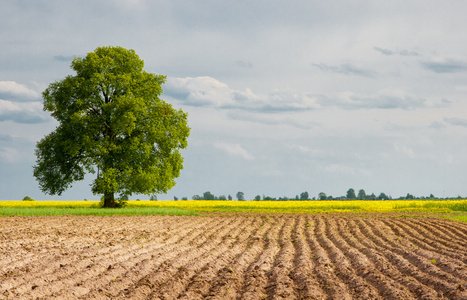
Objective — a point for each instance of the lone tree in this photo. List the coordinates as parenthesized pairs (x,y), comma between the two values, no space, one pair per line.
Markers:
(113,123)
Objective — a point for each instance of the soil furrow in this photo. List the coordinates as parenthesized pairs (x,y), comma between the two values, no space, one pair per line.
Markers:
(454,229)
(228,282)
(280,285)
(386,286)
(174,270)
(414,265)
(428,239)
(94,269)
(255,279)
(75,241)
(220,258)
(453,260)
(355,238)
(306,282)
(343,281)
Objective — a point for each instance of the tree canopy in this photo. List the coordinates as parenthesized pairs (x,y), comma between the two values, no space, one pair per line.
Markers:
(113,123)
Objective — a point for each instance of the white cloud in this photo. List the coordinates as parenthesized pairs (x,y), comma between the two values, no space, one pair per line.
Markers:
(234,150)
(208,91)
(406,150)
(10,90)
(9,154)
(28,113)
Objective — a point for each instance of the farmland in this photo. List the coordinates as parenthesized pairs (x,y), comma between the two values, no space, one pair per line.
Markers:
(352,255)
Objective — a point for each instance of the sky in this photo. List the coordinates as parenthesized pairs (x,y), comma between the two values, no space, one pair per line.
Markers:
(282,96)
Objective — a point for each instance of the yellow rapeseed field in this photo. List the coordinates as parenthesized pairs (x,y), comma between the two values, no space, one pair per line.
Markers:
(271,206)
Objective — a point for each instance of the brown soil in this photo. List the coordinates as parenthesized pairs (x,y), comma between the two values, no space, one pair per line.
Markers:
(294,256)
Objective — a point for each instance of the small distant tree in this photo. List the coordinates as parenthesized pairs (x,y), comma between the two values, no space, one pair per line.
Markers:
(322,196)
(196,197)
(222,197)
(208,196)
(230,198)
(351,194)
(383,196)
(184,198)
(361,195)
(304,196)
(257,198)
(153,198)
(27,198)
(240,196)
(175,198)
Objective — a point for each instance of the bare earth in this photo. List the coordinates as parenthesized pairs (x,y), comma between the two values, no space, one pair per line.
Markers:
(233,257)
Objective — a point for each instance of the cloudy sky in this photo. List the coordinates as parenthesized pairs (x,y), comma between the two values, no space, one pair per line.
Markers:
(283,96)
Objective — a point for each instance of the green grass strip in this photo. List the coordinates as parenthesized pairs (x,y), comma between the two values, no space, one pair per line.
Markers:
(89,211)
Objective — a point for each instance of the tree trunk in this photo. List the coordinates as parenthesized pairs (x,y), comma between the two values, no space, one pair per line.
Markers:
(109,200)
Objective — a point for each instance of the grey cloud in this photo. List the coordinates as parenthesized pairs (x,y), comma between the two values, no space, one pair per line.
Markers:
(447,66)
(24,117)
(5,138)
(382,101)
(274,121)
(399,52)
(244,64)
(456,121)
(346,69)
(68,58)
(436,125)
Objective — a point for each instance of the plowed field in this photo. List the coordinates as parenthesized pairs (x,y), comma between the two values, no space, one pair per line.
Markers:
(293,256)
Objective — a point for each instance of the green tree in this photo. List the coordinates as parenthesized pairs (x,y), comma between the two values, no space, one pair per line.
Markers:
(322,196)
(257,198)
(383,196)
(240,196)
(361,194)
(111,121)
(304,196)
(351,194)
(208,196)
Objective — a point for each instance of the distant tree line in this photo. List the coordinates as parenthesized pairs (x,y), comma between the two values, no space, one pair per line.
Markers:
(305,196)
